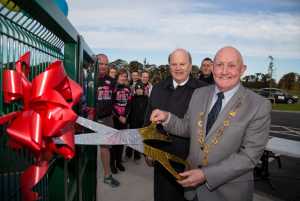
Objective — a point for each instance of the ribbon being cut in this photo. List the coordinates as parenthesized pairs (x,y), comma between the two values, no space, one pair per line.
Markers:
(137,139)
(45,125)
(47,114)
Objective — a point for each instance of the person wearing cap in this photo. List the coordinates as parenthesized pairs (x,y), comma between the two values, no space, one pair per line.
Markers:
(137,114)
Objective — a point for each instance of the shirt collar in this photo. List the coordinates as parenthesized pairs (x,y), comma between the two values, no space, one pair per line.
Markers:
(228,94)
(175,84)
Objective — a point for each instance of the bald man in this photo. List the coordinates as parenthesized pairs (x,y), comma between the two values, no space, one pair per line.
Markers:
(173,94)
(104,104)
(228,129)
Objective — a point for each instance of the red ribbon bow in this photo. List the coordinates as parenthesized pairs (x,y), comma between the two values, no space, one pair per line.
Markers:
(47,114)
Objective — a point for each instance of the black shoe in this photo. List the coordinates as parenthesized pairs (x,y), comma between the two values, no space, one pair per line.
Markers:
(111,181)
(137,157)
(113,169)
(121,167)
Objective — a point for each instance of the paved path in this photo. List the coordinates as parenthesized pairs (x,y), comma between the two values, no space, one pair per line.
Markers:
(137,185)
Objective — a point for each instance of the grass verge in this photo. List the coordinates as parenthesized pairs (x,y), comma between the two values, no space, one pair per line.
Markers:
(286,107)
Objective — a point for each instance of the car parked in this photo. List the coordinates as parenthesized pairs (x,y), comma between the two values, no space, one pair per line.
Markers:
(278,95)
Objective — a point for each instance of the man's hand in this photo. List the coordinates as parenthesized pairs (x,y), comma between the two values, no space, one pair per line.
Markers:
(159,116)
(122,119)
(192,178)
(149,161)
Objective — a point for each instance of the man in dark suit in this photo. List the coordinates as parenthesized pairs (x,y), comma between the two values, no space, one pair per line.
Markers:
(173,94)
(229,130)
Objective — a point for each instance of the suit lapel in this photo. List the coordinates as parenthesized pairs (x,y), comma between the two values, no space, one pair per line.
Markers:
(224,113)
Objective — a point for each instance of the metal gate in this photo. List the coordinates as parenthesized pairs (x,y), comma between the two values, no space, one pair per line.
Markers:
(39,27)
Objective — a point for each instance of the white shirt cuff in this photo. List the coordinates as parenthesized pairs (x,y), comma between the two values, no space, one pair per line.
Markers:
(167,120)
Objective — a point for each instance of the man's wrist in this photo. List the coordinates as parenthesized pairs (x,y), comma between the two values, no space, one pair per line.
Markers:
(167,120)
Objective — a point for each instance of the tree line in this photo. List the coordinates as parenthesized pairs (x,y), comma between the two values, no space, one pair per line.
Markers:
(289,81)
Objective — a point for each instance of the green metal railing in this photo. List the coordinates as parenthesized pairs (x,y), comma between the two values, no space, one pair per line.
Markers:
(39,27)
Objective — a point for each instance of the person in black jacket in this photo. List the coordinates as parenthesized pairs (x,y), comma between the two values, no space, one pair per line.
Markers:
(205,73)
(104,90)
(173,95)
(137,114)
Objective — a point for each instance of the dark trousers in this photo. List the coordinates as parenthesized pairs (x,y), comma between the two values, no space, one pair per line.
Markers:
(116,155)
(165,186)
(136,154)
(116,151)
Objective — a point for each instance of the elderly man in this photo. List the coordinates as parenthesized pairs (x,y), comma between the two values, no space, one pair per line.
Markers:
(173,94)
(228,129)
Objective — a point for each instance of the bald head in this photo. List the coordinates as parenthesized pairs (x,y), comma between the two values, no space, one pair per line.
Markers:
(103,64)
(180,51)
(180,62)
(232,51)
(228,68)
(102,58)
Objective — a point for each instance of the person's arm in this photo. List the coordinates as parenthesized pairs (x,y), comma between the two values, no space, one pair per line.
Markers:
(114,111)
(176,125)
(172,123)
(129,110)
(128,105)
(252,147)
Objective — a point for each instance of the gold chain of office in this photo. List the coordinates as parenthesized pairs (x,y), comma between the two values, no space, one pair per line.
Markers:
(206,147)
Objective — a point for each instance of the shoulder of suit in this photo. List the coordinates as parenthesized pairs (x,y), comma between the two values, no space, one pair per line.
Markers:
(163,84)
(196,83)
(204,90)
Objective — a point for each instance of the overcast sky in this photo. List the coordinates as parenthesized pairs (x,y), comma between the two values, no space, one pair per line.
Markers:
(138,29)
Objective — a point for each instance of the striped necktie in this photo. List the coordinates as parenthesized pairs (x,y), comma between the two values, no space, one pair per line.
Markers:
(213,114)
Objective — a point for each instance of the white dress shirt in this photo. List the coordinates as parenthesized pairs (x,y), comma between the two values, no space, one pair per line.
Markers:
(227,96)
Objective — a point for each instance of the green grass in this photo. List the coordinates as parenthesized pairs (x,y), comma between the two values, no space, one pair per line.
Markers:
(294,92)
(286,107)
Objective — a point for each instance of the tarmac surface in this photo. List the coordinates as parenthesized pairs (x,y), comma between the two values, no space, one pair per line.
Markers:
(283,183)
(137,185)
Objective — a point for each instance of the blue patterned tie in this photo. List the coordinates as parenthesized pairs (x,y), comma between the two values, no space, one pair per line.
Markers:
(213,114)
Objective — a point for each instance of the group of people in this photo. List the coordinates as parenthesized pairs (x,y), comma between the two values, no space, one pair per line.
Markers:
(121,103)
(219,126)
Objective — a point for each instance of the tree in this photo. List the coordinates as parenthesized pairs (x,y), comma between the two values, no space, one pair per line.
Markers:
(164,71)
(246,79)
(195,71)
(119,63)
(258,80)
(135,66)
(289,81)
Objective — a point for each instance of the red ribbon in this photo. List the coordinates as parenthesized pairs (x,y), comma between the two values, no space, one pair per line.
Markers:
(47,114)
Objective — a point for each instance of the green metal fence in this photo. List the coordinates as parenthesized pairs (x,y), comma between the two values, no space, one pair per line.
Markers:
(39,27)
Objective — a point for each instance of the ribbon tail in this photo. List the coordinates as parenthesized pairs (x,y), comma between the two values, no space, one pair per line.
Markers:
(8,117)
(30,178)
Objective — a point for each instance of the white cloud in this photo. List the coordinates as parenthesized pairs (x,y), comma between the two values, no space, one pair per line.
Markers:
(164,25)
